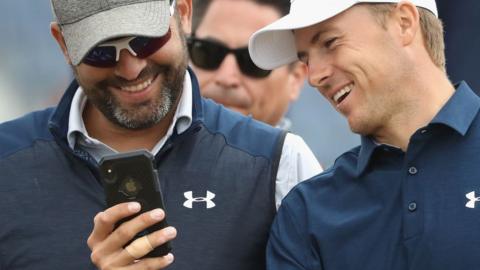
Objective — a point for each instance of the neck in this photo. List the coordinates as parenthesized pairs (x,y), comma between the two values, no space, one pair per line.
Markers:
(426,97)
(122,139)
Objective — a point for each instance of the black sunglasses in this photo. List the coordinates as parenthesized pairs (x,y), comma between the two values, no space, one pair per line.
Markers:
(209,55)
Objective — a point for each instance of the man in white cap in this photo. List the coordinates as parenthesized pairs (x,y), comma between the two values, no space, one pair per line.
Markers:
(219,171)
(408,197)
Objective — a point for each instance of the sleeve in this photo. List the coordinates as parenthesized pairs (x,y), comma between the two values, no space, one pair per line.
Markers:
(297,163)
(289,247)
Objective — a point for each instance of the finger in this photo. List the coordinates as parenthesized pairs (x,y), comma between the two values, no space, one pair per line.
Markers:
(162,236)
(128,230)
(104,222)
(139,248)
(152,263)
(109,251)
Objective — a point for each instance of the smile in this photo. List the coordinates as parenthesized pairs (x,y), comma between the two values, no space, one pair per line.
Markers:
(342,93)
(137,87)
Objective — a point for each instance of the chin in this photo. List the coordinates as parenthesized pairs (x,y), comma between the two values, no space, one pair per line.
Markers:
(360,127)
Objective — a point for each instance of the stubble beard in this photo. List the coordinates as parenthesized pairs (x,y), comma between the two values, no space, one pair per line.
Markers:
(149,113)
(374,117)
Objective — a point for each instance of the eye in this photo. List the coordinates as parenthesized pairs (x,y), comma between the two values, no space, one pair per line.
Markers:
(304,60)
(303,57)
(329,42)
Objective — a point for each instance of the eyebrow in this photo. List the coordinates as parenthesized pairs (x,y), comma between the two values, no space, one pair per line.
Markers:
(317,36)
(312,41)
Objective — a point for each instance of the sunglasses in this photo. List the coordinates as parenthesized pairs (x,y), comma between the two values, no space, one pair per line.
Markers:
(209,55)
(107,54)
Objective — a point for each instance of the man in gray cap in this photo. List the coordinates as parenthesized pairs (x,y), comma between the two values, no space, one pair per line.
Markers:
(408,197)
(221,174)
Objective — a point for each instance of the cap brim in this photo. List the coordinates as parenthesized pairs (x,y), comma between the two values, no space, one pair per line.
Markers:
(274,45)
(144,19)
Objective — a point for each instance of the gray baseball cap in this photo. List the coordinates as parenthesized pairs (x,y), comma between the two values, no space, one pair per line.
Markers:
(274,45)
(86,23)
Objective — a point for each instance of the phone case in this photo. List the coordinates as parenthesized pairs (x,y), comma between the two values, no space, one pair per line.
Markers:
(131,177)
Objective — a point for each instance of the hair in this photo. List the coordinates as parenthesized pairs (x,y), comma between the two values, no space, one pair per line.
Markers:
(200,8)
(431,28)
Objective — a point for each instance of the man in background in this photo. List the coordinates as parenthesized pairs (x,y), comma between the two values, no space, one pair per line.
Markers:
(226,74)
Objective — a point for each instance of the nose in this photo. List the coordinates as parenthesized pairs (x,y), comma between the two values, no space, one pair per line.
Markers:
(319,71)
(129,66)
(228,73)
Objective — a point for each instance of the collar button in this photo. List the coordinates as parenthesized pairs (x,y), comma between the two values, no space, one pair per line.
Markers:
(412,207)
(412,170)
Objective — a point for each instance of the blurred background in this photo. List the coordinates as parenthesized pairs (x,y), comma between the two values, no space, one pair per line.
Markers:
(33,72)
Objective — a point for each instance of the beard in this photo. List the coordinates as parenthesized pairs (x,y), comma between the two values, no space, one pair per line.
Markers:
(142,115)
(151,112)
(148,113)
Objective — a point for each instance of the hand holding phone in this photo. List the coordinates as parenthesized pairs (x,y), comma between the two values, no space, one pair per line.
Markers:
(129,177)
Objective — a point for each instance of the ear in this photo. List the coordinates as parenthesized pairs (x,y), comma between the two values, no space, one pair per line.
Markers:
(58,36)
(184,8)
(407,20)
(297,77)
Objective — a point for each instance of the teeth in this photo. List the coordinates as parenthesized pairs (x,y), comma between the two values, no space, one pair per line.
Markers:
(343,91)
(138,87)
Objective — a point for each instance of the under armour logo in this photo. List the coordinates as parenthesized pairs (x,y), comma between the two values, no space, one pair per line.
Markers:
(472,200)
(190,200)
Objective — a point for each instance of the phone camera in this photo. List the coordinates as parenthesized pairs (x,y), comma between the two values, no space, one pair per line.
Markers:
(110,176)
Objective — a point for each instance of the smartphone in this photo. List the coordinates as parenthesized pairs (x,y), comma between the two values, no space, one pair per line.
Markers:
(131,177)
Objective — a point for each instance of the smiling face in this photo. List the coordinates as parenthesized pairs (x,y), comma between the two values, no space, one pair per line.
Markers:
(136,93)
(358,66)
(266,99)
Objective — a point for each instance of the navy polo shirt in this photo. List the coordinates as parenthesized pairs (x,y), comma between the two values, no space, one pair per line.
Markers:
(381,208)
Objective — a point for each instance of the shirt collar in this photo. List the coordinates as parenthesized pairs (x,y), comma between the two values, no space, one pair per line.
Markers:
(458,113)
(75,123)
(181,120)
(367,148)
(183,115)
(284,124)
(460,110)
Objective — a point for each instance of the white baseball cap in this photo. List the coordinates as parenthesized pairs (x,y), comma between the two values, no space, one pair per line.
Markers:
(274,45)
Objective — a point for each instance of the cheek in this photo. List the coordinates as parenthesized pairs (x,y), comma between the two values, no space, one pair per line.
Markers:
(261,92)
(205,77)
(167,57)
(88,75)
(277,84)
(174,52)
(255,86)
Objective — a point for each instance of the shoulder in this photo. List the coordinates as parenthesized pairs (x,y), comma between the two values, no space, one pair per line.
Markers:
(327,184)
(22,132)
(240,131)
